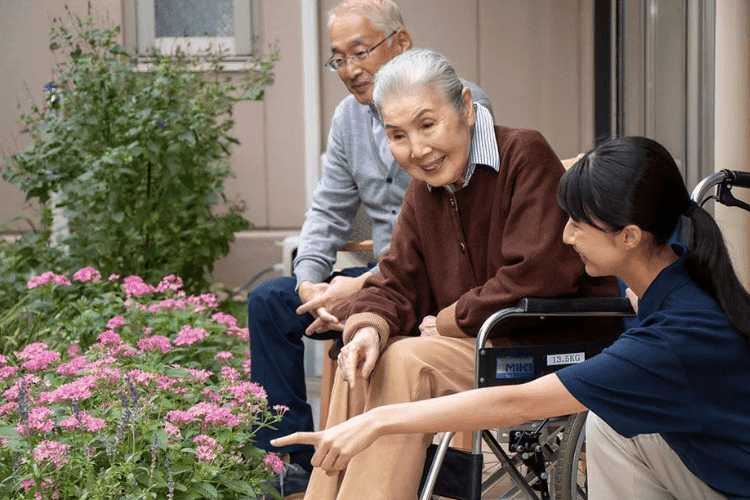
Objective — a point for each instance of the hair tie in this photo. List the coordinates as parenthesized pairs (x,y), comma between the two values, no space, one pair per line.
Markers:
(691,208)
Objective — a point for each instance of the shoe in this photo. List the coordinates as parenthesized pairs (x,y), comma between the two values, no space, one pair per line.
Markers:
(291,482)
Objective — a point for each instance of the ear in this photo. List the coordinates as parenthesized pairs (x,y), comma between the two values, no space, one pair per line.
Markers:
(471,116)
(402,40)
(631,236)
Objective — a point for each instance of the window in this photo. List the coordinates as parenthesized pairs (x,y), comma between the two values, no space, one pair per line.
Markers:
(194,27)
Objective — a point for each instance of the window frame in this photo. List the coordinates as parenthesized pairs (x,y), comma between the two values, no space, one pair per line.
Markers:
(140,37)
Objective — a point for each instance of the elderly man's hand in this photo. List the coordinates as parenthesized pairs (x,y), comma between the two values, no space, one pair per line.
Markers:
(357,358)
(322,299)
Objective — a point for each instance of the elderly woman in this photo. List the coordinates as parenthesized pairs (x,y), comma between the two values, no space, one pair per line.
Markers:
(480,227)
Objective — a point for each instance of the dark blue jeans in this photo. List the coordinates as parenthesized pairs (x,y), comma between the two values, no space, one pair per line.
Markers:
(277,356)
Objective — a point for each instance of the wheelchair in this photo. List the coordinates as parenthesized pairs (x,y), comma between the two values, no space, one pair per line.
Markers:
(541,459)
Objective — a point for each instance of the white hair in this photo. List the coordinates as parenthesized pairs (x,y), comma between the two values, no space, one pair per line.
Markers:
(383,14)
(422,67)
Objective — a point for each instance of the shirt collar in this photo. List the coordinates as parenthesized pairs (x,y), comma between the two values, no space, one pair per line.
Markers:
(669,278)
(483,146)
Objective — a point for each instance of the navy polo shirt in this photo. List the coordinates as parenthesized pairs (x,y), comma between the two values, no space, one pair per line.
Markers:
(683,373)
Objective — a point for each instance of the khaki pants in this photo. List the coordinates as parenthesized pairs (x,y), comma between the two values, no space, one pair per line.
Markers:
(643,467)
(408,369)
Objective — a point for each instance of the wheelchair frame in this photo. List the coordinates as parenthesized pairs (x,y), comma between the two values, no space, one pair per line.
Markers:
(524,443)
(538,445)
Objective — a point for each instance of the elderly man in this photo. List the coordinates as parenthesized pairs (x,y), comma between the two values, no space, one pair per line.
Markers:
(358,168)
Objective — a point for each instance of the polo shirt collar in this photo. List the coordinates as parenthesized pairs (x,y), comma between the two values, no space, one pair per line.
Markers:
(667,280)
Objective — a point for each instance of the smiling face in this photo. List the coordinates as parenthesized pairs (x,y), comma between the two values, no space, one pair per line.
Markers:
(600,250)
(428,138)
(350,33)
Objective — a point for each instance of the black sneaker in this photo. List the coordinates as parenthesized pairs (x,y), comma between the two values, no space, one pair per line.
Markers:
(291,483)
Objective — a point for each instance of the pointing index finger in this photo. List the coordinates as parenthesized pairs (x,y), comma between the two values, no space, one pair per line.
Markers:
(312,438)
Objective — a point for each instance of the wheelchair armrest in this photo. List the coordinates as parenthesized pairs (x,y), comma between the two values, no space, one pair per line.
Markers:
(576,305)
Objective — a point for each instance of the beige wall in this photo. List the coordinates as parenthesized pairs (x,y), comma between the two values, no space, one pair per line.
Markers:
(732,141)
(532,58)
(25,63)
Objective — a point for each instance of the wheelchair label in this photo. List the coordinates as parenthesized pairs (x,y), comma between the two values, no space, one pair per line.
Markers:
(516,367)
(570,358)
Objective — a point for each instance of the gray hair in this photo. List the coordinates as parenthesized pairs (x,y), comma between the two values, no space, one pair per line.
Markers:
(423,67)
(383,14)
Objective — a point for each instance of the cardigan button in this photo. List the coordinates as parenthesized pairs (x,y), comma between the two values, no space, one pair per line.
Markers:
(463,247)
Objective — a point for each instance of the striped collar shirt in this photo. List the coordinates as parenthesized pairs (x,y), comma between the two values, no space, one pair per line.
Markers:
(483,145)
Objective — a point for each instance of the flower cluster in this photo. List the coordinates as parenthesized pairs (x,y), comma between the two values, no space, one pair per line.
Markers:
(156,405)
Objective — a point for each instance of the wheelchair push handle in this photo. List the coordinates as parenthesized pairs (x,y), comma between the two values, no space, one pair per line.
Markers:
(738,178)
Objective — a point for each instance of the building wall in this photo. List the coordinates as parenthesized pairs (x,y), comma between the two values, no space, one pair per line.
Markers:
(732,122)
(532,58)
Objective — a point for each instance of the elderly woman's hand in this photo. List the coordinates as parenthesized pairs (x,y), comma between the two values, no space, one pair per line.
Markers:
(357,358)
(428,327)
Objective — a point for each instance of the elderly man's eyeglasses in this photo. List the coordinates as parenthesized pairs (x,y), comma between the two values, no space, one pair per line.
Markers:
(335,63)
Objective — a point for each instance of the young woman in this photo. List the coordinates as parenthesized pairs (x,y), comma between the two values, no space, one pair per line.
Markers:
(669,400)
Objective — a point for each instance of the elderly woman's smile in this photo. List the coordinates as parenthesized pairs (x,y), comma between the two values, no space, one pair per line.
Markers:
(428,137)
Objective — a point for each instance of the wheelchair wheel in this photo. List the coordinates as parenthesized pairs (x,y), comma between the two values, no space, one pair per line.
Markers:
(570,469)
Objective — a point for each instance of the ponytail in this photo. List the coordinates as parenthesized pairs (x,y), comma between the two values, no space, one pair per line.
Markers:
(709,265)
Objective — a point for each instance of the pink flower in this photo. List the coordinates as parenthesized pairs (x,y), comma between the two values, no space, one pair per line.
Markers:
(52,451)
(73,350)
(147,330)
(78,390)
(141,377)
(72,367)
(159,342)
(86,422)
(108,338)
(172,430)
(281,409)
(46,278)
(242,333)
(224,318)
(223,355)
(135,287)
(170,282)
(189,335)
(115,322)
(246,365)
(8,408)
(3,360)
(37,357)
(7,372)
(274,463)
(114,277)
(202,375)
(229,373)
(39,419)
(180,417)
(206,449)
(87,274)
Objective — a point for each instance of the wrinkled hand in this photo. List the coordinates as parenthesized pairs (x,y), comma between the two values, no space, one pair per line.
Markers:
(428,327)
(338,445)
(357,358)
(633,298)
(319,299)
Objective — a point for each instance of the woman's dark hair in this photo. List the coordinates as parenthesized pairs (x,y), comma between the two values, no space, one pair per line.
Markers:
(634,180)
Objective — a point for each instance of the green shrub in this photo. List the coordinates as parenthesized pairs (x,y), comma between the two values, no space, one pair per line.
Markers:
(135,161)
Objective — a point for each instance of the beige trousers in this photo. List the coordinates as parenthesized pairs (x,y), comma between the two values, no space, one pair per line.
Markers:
(643,467)
(408,369)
